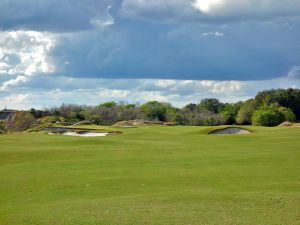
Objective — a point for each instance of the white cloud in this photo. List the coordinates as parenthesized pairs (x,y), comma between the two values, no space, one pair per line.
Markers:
(107,93)
(210,10)
(165,83)
(294,72)
(103,20)
(223,87)
(24,53)
(206,5)
(13,82)
(95,91)
(16,101)
(216,34)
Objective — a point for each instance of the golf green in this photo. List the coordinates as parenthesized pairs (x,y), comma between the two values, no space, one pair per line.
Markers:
(151,175)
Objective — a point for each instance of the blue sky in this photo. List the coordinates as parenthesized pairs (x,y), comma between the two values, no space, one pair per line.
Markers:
(179,51)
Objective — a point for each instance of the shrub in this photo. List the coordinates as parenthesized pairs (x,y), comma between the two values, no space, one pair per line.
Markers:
(245,112)
(2,126)
(210,104)
(230,111)
(156,110)
(21,121)
(289,115)
(267,116)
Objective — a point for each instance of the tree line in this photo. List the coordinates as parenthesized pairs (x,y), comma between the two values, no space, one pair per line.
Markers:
(268,108)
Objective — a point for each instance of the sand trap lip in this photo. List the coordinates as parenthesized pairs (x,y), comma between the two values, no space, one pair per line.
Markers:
(230,130)
(78,132)
(87,134)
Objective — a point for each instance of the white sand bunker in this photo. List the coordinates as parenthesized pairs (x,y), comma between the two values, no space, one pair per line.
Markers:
(230,130)
(87,134)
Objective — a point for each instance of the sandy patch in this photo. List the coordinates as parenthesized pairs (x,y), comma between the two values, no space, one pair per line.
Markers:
(230,130)
(88,134)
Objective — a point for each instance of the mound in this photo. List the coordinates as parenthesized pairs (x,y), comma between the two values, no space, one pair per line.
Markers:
(84,122)
(230,130)
(137,122)
(285,124)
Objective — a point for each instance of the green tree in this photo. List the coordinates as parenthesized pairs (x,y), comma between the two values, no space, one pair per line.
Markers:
(210,104)
(156,110)
(108,104)
(289,98)
(245,112)
(267,116)
(230,111)
(289,115)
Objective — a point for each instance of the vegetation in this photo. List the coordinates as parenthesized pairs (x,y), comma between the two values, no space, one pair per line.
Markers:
(268,108)
(245,112)
(2,126)
(21,121)
(151,175)
(267,116)
(289,98)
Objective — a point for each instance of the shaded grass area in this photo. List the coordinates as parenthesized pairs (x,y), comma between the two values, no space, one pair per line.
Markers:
(151,175)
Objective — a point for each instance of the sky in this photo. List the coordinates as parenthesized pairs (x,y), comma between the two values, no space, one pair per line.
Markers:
(179,51)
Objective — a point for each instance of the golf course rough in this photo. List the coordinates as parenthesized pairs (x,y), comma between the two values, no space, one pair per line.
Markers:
(151,175)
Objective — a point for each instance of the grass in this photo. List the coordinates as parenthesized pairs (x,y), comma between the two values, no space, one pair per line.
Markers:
(151,175)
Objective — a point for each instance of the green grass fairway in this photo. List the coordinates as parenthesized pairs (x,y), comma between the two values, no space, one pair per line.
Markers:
(151,175)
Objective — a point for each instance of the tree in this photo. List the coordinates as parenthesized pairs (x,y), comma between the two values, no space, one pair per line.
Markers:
(230,111)
(267,116)
(288,114)
(190,108)
(289,98)
(207,118)
(210,104)
(155,110)
(108,104)
(245,112)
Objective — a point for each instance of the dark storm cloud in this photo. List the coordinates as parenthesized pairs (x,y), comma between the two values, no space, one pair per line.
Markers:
(248,51)
(160,39)
(51,15)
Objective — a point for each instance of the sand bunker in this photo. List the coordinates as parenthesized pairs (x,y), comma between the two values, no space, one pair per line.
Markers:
(230,130)
(76,132)
(88,134)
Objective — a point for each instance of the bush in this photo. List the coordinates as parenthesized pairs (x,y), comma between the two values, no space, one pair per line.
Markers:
(21,121)
(210,104)
(2,126)
(289,115)
(230,111)
(156,110)
(267,116)
(245,112)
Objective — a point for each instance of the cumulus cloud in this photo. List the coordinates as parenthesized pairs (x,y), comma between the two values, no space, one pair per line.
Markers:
(13,82)
(206,5)
(94,91)
(250,9)
(23,54)
(195,48)
(16,101)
